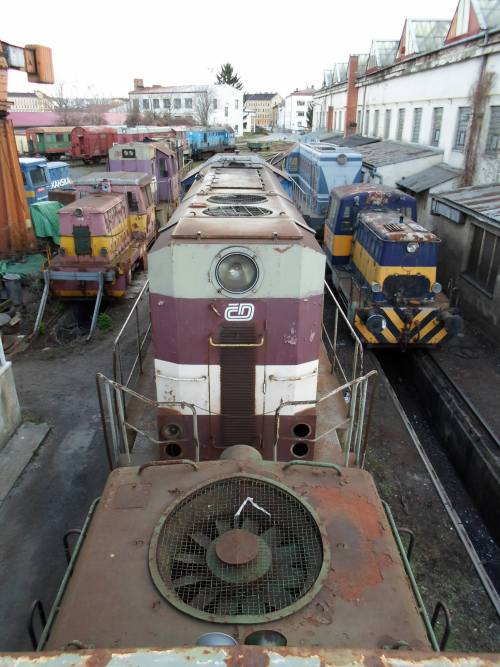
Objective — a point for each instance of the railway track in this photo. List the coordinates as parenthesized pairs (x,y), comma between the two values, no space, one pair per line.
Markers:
(395,370)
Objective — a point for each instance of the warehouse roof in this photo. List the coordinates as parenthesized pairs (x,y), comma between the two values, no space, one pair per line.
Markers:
(266,97)
(382,153)
(479,201)
(428,178)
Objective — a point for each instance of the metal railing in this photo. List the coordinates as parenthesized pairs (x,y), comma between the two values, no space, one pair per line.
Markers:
(299,196)
(354,421)
(116,426)
(185,169)
(333,341)
(133,319)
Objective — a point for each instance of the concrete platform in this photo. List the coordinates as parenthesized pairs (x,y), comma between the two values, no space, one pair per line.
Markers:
(18,452)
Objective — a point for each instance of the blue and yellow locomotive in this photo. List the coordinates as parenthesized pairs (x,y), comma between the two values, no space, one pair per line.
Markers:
(384,266)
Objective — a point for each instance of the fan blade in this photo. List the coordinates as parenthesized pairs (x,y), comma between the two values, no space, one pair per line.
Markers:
(195,559)
(222,526)
(203,599)
(189,580)
(201,539)
(272,537)
(251,526)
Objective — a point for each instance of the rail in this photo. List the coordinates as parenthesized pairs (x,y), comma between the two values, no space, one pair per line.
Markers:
(185,169)
(116,427)
(355,420)
(333,341)
(140,340)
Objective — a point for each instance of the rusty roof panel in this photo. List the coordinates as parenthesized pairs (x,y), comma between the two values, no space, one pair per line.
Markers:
(240,228)
(393,227)
(479,201)
(362,599)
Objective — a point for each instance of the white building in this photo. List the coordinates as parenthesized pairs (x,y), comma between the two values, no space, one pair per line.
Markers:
(249,120)
(33,102)
(437,86)
(295,110)
(220,104)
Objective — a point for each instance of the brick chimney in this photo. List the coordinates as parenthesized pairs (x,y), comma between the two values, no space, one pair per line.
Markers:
(138,83)
(352,97)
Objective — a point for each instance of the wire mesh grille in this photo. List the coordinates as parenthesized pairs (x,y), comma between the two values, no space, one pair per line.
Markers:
(236,211)
(237,199)
(288,561)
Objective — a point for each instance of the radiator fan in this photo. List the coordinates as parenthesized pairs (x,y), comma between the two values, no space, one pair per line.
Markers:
(238,550)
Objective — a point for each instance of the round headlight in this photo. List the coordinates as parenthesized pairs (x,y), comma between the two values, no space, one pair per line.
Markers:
(342,159)
(376,287)
(237,273)
(436,288)
(412,247)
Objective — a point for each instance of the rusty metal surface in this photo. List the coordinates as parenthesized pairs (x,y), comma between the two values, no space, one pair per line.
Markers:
(479,201)
(250,656)
(217,228)
(16,233)
(365,599)
(391,226)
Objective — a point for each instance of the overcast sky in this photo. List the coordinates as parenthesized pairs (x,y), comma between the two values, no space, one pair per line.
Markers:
(275,45)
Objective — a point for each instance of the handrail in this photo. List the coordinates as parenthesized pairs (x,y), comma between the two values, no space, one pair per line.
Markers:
(117,362)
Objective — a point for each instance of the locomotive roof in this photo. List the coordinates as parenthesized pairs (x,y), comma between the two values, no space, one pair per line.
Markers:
(393,227)
(361,189)
(116,177)
(238,197)
(98,203)
(365,596)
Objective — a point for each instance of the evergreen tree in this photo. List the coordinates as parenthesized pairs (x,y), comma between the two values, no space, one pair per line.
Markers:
(227,75)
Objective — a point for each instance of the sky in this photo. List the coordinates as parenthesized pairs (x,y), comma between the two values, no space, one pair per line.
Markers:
(101,46)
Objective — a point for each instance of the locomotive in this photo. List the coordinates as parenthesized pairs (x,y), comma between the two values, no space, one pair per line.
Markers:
(384,266)
(266,540)
(237,260)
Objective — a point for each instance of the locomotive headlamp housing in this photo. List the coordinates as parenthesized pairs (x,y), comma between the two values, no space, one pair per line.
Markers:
(376,287)
(436,288)
(236,272)
(412,247)
(342,159)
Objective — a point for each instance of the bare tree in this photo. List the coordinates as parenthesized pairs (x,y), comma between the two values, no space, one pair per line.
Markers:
(204,108)
(64,107)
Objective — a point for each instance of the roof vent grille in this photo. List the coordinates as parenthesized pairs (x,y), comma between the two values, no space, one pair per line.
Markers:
(236,211)
(237,199)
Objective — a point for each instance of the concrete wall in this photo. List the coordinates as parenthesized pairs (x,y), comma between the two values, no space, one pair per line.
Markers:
(10,411)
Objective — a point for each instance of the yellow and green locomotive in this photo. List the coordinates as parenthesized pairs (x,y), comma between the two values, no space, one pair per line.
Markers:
(385,270)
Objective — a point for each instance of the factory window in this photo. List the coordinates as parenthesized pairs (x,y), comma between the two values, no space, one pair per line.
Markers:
(226,111)
(484,258)
(300,113)
(145,104)
(236,104)
(493,139)
(177,103)
(367,123)
(437,119)
(401,123)
(358,125)
(464,115)
(166,104)
(417,122)
(156,103)
(188,102)
(375,122)
(135,105)
(301,103)
(215,103)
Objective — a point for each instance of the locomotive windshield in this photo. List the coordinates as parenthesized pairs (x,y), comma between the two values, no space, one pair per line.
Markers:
(38,176)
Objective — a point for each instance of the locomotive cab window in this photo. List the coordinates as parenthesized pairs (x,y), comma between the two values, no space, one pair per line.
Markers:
(133,204)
